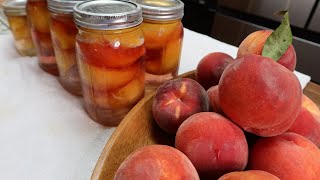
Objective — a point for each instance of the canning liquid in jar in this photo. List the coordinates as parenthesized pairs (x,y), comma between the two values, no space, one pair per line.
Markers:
(163,33)
(111,58)
(63,34)
(15,10)
(38,17)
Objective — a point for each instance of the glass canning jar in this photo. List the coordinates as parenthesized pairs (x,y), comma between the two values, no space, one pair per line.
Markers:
(63,33)
(15,10)
(163,33)
(38,17)
(111,58)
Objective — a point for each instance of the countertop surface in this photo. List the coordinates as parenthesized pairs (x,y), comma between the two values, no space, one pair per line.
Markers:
(45,132)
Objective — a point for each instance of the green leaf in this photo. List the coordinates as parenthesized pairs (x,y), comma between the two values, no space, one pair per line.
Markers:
(279,40)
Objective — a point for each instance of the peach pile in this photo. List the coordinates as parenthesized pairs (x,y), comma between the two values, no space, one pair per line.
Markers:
(112,74)
(261,127)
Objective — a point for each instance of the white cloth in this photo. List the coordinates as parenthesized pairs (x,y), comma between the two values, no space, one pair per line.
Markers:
(44,131)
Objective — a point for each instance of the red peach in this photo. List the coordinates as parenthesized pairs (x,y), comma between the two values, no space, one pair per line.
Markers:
(259,95)
(213,143)
(156,162)
(307,123)
(210,68)
(287,156)
(249,175)
(176,100)
(254,42)
(214,103)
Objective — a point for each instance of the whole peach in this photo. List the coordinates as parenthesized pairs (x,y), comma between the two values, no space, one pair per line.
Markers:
(176,100)
(254,42)
(213,143)
(213,94)
(261,96)
(249,175)
(287,156)
(210,68)
(307,123)
(156,162)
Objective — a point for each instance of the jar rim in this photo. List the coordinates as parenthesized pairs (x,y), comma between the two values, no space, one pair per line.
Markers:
(15,7)
(107,14)
(161,10)
(62,6)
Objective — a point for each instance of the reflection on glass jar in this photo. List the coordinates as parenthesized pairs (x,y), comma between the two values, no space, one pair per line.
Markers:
(163,33)
(111,58)
(63,33)
(15,10)
(38,17)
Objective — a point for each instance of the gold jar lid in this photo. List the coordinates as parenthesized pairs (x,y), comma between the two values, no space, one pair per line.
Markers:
(161,10)
(15,7)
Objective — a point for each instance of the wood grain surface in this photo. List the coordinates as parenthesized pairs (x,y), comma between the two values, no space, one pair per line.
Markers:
(138,129)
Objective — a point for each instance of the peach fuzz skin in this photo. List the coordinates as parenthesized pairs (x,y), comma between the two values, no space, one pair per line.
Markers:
(288,156)
(213,143)
(307,123)
(176,100)
(254,42)
(249,175)
(261,96)
(213,94)
(156,162)
(211,67)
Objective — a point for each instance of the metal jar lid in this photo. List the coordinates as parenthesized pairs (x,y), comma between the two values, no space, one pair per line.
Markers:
(107,14)
(161,10)
(15,7)
(62,6)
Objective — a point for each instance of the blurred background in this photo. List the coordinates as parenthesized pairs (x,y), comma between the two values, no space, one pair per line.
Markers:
(231,21)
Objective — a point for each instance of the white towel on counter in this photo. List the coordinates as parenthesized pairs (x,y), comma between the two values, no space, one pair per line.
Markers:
(44,131)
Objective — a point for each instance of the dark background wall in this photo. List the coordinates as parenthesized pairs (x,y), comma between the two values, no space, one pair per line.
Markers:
(231,21)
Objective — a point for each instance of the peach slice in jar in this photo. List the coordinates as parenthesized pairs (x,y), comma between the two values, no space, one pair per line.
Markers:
(107,78)
(157,35)
(18,25)
(39,15)
(171,57)
(65,60)
(125,96)
(164,61)
(104,54)
(63,32)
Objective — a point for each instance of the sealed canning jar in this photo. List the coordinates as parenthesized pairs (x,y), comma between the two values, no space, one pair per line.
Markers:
(63,34)
(111,57)
(15,10)
(163,34)
(38,17)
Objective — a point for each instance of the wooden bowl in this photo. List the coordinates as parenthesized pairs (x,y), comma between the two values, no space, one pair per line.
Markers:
(137,129)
